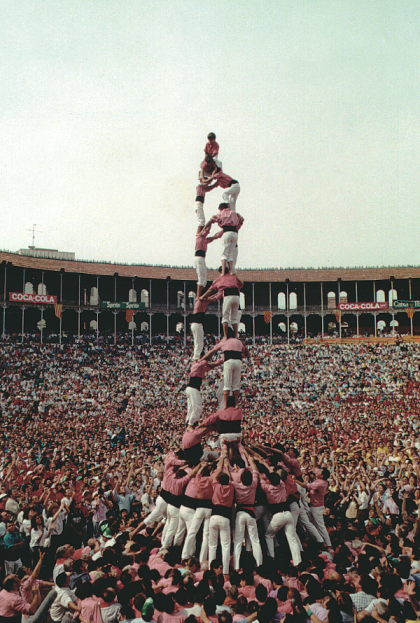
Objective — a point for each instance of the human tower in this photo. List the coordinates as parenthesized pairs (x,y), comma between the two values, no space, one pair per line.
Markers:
(234,491)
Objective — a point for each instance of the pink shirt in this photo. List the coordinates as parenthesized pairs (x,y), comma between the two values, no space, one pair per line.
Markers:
(191,489)
(91,610)
(156,562)
(200,306)
(12,604)
(222,179)
(211,148)
(295,468)
(199,368)
(231,414)
(192,438)
(231,344)
(244,494)
(317,491)
(248,591)
(201,243)
(176,486)
(222,494)
(226,281)
(204,487)
(228,218)
(275,494)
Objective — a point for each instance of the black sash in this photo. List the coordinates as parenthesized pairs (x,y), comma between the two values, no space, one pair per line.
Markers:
(165,495)
(229,228)
(189,502)
(224,511)
(232,183)
(230,426)
(231,292)
(200,253)
(232,354)
(204,503)
(246,509)
(195,381)
(279,508)
(198,317)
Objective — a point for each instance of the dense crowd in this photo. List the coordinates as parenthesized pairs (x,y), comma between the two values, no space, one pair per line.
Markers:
(89,433)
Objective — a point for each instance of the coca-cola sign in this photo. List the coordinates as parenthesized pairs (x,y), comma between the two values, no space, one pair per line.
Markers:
(20,297)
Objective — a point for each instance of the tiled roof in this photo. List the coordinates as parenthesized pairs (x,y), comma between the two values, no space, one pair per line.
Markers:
(189,274)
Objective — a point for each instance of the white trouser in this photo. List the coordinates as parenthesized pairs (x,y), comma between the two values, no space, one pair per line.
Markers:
(219,526)
(201,270)
(173,516)
(229,241)
(317,516)
(278,521)
(186,516)
(232,374)
(199,210)
(235,259)
(159,512)
(230,437)
(198,337)
(200,515)
(194,405)
(231,194)
(12,566)
(219,393)
(245,523)
(230,309)
(300,517)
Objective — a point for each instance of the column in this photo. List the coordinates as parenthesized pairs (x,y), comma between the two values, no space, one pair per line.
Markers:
(357,315)
(115,313)
(253,315)
(42,318)
(287,311)
(339,322)
(4,302)
(167,309)
(271,319)
(23,306)
(61,301)
(304,309)
(409,295)
(322,310)
(78,313)
(150,324)
(185,314)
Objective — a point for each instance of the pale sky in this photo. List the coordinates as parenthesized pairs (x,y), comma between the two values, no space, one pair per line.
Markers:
(106,105)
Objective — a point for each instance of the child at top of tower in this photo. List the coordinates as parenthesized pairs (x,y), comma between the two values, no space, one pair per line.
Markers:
(212,149)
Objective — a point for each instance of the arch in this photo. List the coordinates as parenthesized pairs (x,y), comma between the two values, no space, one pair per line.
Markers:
(179,327)
(281,300)
(332,300)
(293,300)
(242,328)
(392,296)
(381,324)
(191,299)
(394,323)
(343,297)
(380,296)
(132,324)
(242,300)
(132,296)
(294,327)
(29,288)
(41,324)
(93,325)
(282,327)
(94,296)
(42,288)
(144,326)
(144,297)
(180,299)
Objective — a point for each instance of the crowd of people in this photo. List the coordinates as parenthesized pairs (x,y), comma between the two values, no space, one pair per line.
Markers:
(85,432)
(215,483)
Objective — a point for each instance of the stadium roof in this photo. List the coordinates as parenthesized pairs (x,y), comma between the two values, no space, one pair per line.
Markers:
(189,274)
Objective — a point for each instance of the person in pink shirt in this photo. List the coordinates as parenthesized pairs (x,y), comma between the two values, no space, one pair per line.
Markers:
(275,489)
(204,491)
(233,350)
(228,286)
(89,604)
(212,149)
(198,371)
(197,326)
(12,605)
(188,508)
(245,482)
(177,481)
(317,491)
(202,240)
(229,421)
(230,222)
(222,499)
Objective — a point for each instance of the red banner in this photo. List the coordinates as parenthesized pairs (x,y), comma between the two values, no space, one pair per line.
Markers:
(32,298)
(362,306)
